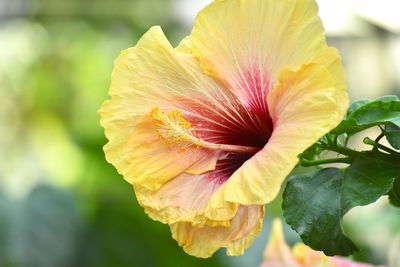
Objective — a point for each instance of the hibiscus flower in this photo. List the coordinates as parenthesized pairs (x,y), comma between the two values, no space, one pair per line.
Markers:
(206,132)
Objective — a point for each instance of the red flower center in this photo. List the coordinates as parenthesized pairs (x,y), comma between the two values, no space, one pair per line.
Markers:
(241,120)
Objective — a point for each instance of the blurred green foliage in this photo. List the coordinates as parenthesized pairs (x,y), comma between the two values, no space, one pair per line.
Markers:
(29,228)
(55,67)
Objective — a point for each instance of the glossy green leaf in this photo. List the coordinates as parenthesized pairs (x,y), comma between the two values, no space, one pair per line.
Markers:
(392,133)
(364,114)
(394,194)
(315,203)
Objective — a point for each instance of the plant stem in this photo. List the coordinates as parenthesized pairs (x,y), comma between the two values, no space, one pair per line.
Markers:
(369,141)
(309,163)
(378,139)
(345,151)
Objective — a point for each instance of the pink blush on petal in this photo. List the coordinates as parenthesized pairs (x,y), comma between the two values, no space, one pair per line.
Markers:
(342,262)
(255,85)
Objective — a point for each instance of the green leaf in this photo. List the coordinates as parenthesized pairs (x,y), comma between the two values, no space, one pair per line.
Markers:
(364,114)
(315,203)
(392,133)
(394,194)
(312,208)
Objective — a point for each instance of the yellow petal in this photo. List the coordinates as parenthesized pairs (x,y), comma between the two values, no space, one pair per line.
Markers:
(277,252)
(308,257)
(147,159)
(232,38)
(304,105)
(203,242)
(184,198)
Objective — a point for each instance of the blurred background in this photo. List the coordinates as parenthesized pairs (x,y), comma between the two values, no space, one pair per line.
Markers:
(62,204)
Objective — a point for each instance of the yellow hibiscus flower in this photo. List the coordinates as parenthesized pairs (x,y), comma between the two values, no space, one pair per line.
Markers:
(279,254)
(207,132)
